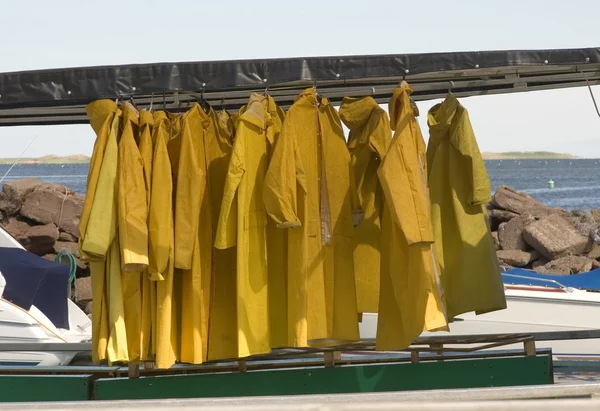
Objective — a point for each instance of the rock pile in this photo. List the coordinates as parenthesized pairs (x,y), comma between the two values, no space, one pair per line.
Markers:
(530,234)
(44,218)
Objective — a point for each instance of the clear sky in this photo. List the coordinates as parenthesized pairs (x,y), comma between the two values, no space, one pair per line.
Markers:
(40,34)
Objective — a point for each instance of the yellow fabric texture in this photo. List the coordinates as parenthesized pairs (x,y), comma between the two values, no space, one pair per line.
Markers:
(101,241)
(133,226)
(242,223)
(190,197)
(102,116)
(368,142)
(222,331)
(148,291)
(165,335)
(311,198)
(460,188)
(410,299)
(133,211)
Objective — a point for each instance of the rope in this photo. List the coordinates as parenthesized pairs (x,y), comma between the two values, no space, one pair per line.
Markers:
(591,93)
(62,206)
(18,159)
(72,270)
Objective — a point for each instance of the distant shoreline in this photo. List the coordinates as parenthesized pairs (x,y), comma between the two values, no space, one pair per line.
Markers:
(528,155)
(51,159)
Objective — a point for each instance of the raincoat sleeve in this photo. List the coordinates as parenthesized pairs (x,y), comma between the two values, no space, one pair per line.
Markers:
(464,140)
(227,228)
(283,177)
(159,218)
(101,228)
(405,189)
(187,201)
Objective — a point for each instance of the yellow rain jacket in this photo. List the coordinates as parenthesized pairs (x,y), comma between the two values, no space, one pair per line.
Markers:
(109,334)
(276,243)
(203,162)
(161,270)
(222,334)
(148,288)
(460,189)
(193,245)
(410,298)
(307,191)
(368,143)
(104,121)
(243,222)
(101,114)
(133,226)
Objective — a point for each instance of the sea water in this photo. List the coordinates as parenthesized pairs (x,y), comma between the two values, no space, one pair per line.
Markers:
(576,182)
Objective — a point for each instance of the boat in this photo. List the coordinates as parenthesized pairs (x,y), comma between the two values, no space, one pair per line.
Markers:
(536,304)
(35,309)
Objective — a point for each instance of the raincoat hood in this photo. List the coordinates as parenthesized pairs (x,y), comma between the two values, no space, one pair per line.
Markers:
(310,95)
(355,112)
(441,115)
(400,98)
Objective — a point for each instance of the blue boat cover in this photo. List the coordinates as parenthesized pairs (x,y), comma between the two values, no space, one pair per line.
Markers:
(585,281)
(32,280)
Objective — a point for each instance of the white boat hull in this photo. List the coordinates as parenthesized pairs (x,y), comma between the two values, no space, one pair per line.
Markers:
(20,326)
(530,310)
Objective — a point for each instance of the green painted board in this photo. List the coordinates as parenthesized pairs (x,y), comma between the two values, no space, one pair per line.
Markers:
(20,388)
(345,379)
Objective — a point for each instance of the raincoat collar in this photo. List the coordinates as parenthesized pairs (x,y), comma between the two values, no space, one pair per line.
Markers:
(401,100)
(146,118)
(105,106)
(442,114)
(310,95)
(355,112)
(160,116)
(130,113)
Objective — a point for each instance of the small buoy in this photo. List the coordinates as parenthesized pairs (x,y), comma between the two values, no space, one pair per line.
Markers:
(551,184)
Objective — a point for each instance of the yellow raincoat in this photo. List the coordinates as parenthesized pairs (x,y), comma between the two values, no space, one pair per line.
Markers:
(148,288)
(101,244)
(102,115)
(410,294)
(222,334)
(203,161)
(276,243)
(165,335)
(133,226)
(460,189)
(368,143)
(307,190)
(243,222)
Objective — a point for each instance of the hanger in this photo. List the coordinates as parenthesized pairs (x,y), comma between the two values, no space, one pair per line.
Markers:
(203,103)
(164,102)
(450,85)
(151,102)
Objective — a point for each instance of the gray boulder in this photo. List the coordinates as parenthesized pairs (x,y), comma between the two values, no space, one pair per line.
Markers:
(515,258)
(511,234)
(51,203)
(555,237)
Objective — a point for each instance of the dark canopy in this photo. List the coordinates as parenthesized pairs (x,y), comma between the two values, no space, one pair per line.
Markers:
(32,280)
(59,96)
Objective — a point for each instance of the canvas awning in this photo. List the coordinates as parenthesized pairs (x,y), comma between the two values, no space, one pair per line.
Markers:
(59,96)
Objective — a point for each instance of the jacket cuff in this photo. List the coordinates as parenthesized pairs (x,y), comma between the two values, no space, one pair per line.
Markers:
(290,224)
